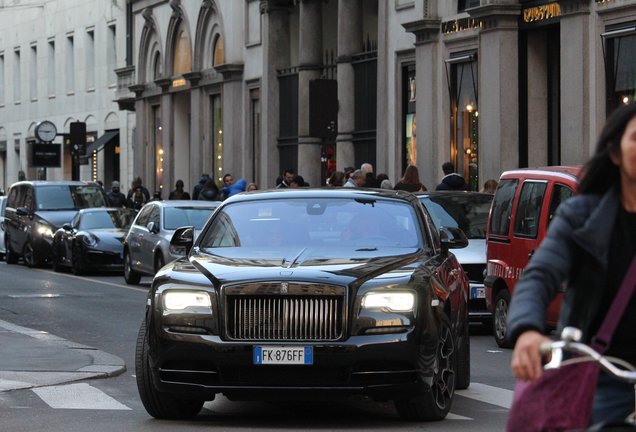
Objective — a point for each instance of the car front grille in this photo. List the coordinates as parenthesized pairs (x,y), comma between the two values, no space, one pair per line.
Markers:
(302,313)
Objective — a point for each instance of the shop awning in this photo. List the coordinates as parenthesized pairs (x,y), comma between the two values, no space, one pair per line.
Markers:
(102,141)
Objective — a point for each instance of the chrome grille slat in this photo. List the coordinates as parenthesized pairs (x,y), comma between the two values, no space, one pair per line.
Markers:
(285,317)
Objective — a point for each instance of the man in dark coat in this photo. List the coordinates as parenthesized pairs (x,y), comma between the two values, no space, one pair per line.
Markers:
(115,197)
(197,188)
(451,180)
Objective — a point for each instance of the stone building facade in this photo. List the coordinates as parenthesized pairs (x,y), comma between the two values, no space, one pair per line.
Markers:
(57,63)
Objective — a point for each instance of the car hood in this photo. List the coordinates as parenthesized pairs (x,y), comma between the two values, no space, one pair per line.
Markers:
(321,265)
(474,253)
(57,218)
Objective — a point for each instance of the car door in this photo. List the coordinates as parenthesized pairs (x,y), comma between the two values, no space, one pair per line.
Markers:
(135,236)
(24,221)
(148,241)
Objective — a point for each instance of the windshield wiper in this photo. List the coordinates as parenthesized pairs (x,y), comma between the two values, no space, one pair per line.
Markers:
(369,249)
(366,201)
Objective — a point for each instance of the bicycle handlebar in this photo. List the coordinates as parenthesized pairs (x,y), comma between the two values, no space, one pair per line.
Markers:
(569,342)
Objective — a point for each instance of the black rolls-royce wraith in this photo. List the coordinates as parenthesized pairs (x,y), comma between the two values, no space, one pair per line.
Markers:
(314,293)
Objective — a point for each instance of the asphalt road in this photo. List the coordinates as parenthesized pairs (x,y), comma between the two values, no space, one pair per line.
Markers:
(101,311)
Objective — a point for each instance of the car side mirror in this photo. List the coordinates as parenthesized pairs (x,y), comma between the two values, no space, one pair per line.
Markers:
(22,211)
(183,237)
(152,227)
(452,238)
(67,227)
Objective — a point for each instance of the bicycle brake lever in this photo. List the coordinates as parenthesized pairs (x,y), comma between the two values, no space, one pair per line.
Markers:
(555,349)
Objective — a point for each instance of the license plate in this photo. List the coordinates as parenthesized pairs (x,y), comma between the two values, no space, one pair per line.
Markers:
(283,355)
(477,292)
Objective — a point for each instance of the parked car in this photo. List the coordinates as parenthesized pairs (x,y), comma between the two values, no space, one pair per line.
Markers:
(36,209)
(93,240)
(524,204)
(309,293)
(467,211)
(147,245)
(3,204)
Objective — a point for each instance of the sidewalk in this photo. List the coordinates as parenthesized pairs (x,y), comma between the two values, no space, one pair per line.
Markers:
(32,358)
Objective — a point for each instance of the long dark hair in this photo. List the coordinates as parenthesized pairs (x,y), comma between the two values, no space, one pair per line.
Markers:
(600,173)
(411,175)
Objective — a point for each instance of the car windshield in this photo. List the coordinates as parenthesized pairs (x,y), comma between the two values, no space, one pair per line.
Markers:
(69,197)
(361,224)
(177,217)
(107,219)
(468,212)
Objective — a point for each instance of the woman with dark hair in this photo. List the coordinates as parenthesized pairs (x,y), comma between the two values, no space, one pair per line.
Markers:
(336,179)
(589,247)
(410,182)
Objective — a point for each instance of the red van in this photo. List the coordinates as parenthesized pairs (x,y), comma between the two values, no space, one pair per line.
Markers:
(524,204)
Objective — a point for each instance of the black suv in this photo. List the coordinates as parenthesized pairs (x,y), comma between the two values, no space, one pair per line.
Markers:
(36,209)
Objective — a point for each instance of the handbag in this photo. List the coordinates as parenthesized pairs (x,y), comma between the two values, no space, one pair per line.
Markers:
(561,399)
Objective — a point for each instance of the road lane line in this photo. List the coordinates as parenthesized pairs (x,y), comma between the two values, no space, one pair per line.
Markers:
(489,394)
(78,396)
(451,416)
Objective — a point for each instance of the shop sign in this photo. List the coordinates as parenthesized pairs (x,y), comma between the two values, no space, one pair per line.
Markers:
(179,82)
(460,25)
(46,155)
(541,13)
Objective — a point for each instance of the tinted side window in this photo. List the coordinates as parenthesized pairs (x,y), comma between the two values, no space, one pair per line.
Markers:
(29,199)
(559,194)
(144,215)
(13,201)
(529,209)
(155,216)
(502,207)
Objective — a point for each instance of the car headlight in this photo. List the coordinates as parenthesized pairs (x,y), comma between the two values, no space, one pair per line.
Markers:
(180,300)
(393,301)
(44,230)
(90,240)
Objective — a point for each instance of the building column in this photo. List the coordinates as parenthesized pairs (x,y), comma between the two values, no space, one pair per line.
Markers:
(309,68)
(196,140)
(429,100)
(275,57)
(349,43)
(576,58)
(498,61)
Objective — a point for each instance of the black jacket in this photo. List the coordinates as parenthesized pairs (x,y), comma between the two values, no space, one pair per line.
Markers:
(453,181)
(575,252)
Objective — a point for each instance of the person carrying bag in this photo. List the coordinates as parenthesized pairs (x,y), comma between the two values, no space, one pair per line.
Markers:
(588,251)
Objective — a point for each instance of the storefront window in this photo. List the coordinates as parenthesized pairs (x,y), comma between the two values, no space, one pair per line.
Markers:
(219,53)
(158,150)
(465,119)
(410,120)
(620,68)
(217,137)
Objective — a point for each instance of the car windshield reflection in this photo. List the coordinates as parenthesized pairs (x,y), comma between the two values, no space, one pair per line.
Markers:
(468,212)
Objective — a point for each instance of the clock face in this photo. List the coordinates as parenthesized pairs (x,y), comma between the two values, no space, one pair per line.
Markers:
(46,131)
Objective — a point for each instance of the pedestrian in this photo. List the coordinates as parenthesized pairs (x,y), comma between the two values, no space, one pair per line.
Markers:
(586,253)
(386,184)
(298,181)
(451,180)
(410,181)
(115,197)
(137,198)
(209,191)
(286,179)
(179,193)
(251,187)
(490,186)
(357,179)
(233,188)
(228,180)
(336,179)
(348,171)
(197,187)
(137,183)
(371,181)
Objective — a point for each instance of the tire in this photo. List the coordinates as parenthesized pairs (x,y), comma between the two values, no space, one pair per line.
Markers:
(499,317)
(11,256)
(435,404)
(132,277)
(159,261)
(463,360)
(158,404)
(28,254)
(77,263)
(55,260)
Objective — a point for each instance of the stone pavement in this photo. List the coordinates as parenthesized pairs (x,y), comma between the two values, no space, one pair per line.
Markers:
(32,358)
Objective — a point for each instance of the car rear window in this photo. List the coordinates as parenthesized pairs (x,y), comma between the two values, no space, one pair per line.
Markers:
(69,197)
(468,212)
(177,217)
(502,207)
(313,222)
(529,209)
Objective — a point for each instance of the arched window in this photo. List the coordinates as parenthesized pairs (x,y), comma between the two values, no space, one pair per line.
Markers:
(219,53)
(157,69)
(182,55)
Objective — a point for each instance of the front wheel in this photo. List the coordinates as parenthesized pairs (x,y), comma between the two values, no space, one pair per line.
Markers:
(77,262)
(158,404)
(500,317)
(435,404)
(29,255)
(132,277)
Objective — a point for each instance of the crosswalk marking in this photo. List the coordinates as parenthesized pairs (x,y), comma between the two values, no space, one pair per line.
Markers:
(78,396)
(488,394)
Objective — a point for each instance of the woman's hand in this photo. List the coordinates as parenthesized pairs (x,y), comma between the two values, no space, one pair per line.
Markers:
(526,361)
